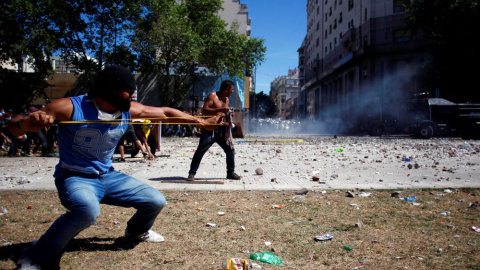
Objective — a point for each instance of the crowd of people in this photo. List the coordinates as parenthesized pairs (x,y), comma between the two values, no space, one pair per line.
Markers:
(42,142)
(182,131)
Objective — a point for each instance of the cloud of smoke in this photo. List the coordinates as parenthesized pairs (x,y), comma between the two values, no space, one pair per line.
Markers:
(344,111)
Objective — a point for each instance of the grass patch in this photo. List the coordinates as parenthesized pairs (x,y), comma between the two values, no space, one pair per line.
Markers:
(384,232)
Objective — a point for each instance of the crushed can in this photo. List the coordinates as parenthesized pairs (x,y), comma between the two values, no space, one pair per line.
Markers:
(235,264)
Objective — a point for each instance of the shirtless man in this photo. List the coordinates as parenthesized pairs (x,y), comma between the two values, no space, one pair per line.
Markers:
(216,104)
(84,175)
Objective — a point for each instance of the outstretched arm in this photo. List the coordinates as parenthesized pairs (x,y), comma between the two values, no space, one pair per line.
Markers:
(171,115)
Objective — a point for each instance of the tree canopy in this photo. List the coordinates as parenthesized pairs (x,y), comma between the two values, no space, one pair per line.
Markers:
(163,37)
(183,32)
(453,27)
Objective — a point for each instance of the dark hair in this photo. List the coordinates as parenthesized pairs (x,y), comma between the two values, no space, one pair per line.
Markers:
(226,85)
(112,78)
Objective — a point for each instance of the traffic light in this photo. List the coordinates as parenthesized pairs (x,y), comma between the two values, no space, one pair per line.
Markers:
(195,67)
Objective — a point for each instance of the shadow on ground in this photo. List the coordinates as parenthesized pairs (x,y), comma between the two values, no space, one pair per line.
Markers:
(14,252)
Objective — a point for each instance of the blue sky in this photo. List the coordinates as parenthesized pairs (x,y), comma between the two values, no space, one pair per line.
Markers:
(283,25)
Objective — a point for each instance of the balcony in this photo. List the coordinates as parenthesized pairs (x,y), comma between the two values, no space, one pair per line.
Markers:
(350,35)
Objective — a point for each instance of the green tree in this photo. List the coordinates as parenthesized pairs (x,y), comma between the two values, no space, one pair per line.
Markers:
(263,105)
(98,34)
(87,34)
(453,27)
(182,32)
(27,37)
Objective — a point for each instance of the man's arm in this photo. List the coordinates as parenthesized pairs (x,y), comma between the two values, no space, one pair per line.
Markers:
(170,115)
(58,110)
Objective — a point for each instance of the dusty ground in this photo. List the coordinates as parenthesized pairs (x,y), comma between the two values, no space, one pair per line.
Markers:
(289,163)
(383,232)
(434,232)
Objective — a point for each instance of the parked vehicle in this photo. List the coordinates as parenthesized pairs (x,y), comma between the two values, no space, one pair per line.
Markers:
(423,118)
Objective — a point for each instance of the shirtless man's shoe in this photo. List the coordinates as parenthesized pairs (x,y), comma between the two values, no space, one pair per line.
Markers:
(233,176)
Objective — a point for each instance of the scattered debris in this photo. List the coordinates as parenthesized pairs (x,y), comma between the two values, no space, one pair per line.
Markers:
(323,237)
(302,191)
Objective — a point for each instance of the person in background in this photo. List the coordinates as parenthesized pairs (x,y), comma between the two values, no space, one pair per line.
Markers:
(139,133)
(4,139)
(38,138)
(216,104)
(131,137)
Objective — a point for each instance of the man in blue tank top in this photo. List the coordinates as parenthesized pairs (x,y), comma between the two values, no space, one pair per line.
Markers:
(84,175)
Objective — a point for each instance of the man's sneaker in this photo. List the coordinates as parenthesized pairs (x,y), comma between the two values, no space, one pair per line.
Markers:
(24,263)
(149,236)
(233,176)
(191,177)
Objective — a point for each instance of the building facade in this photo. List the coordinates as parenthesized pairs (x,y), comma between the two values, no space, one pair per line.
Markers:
(285,91)
(354,52)
(235,14)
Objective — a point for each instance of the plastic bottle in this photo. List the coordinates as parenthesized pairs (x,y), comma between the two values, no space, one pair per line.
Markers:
(411,198)
(298,198)
(266,257)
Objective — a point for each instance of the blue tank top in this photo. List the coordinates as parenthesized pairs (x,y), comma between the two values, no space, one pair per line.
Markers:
(85,147)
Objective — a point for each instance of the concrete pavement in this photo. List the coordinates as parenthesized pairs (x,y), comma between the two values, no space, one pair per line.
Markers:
(288,163)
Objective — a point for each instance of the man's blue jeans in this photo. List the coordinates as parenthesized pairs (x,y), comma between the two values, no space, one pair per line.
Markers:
(207,139)
(82,194)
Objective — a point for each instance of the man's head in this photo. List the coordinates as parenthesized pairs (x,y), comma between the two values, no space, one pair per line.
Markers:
(228,87)
(111,82)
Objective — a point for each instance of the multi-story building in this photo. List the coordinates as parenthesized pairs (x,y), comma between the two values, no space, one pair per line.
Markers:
(285,91)
(236,14)
(356,51)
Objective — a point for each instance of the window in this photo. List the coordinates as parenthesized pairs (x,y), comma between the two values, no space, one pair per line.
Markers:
(340,17)
(350,5)
(365,15)
(350,24)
